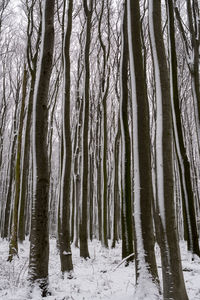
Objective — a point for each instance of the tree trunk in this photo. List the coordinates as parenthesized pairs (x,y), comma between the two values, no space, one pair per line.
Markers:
(64,238)
(98,170)
(126,215)
(39,240)
(183,162)
(173,282)
(13,246)
(84,180)
(27,138)
(143,193)
(116,188)
(7,216)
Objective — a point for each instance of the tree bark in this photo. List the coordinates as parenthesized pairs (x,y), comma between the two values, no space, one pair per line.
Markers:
(173,282)
(84,180)
(32,64)
(39,239)
(126,208)
(143,193)
(183,162)
(64,237)
(13,246)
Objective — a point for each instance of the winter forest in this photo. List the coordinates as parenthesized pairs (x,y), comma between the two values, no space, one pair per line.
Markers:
(99,149)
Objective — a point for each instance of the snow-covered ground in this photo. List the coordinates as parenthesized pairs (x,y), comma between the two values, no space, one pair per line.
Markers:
(97,278)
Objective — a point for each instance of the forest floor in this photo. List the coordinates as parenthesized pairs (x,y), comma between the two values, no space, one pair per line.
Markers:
(100,277)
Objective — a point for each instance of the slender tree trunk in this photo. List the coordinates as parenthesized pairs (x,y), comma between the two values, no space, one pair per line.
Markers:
(183,162)
(77,172)
(126,215)
(13,246)
(91,194)
(192,54)
(7,217)
(39,240)
(105,177)
(193,24)
(27,135)
(116,188)
(143,193)
(173,282)
(84,180)
(78,149)
(64,238)
(99,173)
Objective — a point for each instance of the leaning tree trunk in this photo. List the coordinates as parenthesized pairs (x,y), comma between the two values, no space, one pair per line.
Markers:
(173,282)
(39,239)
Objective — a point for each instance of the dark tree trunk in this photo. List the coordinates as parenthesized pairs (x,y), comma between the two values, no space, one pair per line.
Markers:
(126,214)
(143,193)
(91,194)
(64,237)
(27,138)
(77,172)
(83,224)
(39,239)
(116,188)
(173,282)
(183,162)
(99,173)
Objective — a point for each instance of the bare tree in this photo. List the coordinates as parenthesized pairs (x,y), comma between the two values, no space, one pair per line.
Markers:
(32,53)
(64,232)
(183,162)
(173,282)
(126,210)
(143,193)
(88,9)
(39,239)
(13,248)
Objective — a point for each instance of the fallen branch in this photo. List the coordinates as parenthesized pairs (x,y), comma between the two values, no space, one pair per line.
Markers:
(123,260)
